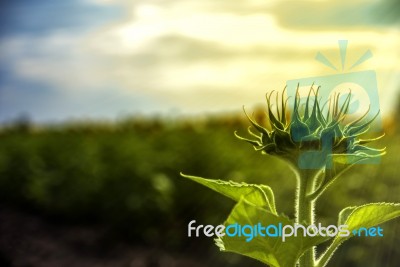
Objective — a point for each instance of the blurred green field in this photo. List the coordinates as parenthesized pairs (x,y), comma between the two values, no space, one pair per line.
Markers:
(126,176)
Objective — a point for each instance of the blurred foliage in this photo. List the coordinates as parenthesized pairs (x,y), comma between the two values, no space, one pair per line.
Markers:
(126,176)
(390,11)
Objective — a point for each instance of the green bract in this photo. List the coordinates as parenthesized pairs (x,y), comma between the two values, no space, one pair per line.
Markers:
(319,146)
(311,129)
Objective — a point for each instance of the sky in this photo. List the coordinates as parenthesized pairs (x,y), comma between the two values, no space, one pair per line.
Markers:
(106,59)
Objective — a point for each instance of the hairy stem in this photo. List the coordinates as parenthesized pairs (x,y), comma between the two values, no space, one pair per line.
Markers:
(305,210)
(323,260)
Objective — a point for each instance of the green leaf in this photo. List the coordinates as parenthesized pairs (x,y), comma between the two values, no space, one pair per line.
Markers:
(356,130)
(270,250)
(255,124)
(259,195)
(344,214)
(312,122)
(366,141)
(367,216)
(275,122)
(253,142)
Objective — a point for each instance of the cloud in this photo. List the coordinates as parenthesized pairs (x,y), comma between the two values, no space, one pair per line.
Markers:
(184,54)
(45,16)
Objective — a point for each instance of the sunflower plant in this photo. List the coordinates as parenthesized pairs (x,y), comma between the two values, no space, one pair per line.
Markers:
(319,146)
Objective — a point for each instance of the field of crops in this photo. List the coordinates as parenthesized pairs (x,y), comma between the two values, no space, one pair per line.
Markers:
(125,177)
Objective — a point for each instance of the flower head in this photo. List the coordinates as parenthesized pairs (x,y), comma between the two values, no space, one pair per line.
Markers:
(312,137)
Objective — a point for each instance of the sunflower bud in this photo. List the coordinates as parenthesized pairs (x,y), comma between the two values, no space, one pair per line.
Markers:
(311,137)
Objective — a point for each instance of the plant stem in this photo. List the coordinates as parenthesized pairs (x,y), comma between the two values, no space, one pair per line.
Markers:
(305,210)
(323,260)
